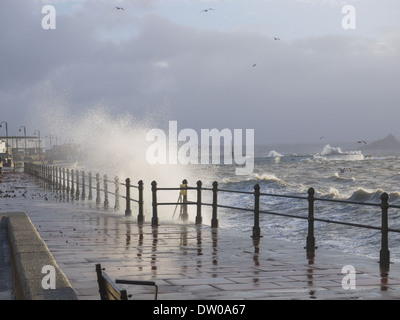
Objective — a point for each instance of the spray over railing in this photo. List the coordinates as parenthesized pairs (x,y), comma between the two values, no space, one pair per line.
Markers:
(69,183)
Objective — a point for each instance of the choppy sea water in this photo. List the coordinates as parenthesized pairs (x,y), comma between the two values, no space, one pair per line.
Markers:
(332,172)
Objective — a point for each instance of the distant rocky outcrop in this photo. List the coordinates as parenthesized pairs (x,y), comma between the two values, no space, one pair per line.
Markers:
(387,143)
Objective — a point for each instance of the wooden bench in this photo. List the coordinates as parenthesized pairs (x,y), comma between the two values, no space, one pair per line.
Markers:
(109,290)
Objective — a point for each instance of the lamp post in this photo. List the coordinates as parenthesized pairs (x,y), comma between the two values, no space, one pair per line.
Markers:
(50,137)
(6,137)
(40,155)
(25,140)
(6,132)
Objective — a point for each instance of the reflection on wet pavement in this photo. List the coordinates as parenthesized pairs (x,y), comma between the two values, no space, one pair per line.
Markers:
(186,261)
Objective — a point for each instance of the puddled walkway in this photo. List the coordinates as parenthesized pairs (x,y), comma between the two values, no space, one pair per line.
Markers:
(187,262)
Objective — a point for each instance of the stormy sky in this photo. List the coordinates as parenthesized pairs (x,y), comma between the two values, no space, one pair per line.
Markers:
(169,60)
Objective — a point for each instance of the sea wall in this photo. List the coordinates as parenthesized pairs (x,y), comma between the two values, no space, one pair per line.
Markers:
(36,275)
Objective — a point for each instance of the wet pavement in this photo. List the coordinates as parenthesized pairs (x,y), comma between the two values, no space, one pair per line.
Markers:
(186,262)
(6,285)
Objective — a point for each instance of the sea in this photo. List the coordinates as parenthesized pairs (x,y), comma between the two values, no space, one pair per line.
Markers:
(335,171)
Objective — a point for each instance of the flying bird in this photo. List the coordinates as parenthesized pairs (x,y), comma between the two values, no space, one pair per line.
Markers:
(120,8)
(362,142)
(254,65)
(206,10)
(276,38)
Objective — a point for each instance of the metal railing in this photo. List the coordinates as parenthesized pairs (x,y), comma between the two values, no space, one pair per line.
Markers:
(310,247)
(63,180)
(73,184)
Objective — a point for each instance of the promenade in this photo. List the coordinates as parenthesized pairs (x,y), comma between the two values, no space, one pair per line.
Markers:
(187,262)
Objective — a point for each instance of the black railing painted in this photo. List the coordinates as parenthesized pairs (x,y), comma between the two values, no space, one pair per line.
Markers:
(311,199)
(63,180)
(73,184)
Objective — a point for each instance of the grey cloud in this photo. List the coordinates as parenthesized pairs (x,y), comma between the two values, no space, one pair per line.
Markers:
(297,89)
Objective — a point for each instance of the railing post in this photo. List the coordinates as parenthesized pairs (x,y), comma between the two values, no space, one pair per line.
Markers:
(60,179)
(256,228)
(310,245)
(56,178)
(77,185)
(106,204)
(83,195)
(199,219)
(140,217)
(52,177)
(384,253)
(90,196)
(60,183)
(154,219)
(214,220)
(68,182)
(63,179)
(98,199)
(128,211)
(184,200)
(116,187)
(72,184)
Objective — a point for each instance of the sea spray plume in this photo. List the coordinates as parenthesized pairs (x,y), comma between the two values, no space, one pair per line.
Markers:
(116,145)
(336,153)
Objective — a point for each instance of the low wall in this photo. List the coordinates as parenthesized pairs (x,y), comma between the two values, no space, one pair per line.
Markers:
(29,254)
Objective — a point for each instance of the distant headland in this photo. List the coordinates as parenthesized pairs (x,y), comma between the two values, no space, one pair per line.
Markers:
(387,143)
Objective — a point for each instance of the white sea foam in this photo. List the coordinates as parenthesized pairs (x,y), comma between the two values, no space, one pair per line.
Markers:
(336,153)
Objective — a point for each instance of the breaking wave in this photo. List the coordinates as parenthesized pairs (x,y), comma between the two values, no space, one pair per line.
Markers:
(336,153)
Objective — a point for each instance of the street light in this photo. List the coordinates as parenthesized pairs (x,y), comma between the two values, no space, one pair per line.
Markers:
(6,137)
(40,155)
(25,140)
(51,137)
(6,132)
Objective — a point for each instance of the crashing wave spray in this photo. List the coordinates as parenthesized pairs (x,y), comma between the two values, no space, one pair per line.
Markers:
(116,145)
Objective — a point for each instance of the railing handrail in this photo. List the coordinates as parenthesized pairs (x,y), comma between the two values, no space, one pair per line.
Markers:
(283,214)
(310,244)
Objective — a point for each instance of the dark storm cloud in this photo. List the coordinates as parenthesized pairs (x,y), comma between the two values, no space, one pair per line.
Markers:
(140,64)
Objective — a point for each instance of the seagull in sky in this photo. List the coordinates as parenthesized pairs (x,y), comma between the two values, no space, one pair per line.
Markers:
(120,8)
(206,10)
(276,38)
(362,142)
(254,65)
